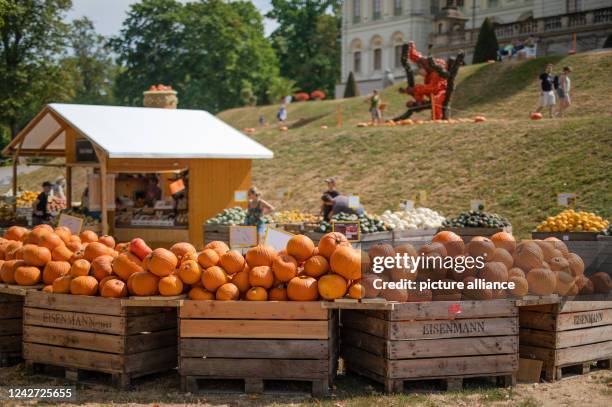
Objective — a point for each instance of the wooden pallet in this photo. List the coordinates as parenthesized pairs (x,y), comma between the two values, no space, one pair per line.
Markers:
(567,334)
(257,342)
(98,334)
(422,341)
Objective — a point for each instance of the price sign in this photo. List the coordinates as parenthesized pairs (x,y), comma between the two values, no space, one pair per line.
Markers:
(277,238)
(407,204)
(423,197)
(349,229)
(73,223)
(353,202)
(477,205)
(566,199)
(240,196)
(243,236)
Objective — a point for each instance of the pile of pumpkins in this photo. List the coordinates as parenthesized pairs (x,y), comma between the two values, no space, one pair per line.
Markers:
(538,267)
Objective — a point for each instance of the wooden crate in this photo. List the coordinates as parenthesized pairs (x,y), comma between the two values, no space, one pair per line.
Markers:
(214,232)
(605,261)
(468,233)
(414,236)
(419,341)
(95,334)
(11,309)
(566,236)
(567,334)
(257,342)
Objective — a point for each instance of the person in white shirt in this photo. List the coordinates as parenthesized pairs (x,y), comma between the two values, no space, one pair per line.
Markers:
(563,91)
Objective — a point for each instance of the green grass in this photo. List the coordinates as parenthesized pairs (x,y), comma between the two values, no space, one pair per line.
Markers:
(516,165)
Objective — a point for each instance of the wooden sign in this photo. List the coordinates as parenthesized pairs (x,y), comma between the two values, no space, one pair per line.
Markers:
(73,223)
(566,199)
(422,197)
(242,236)
(277,238)
(477,205)
(349,229)
(240,196)
(407,204)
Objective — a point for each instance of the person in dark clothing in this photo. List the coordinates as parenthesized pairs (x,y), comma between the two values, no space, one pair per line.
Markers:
(331,191)
(153,192)
(547,92)
(339,204)
(40,213)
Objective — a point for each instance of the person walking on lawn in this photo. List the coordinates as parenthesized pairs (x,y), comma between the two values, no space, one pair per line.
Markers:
(547,92)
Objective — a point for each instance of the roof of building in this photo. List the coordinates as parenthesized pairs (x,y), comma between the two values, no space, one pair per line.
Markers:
(136,132)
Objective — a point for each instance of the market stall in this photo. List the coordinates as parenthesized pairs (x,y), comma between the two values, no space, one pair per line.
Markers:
(157,174)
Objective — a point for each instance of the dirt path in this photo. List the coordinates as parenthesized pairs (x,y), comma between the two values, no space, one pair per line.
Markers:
(592,390)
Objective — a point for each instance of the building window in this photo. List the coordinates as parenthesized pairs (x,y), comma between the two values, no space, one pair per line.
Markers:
(377,59)
(356,11)
(459,3)
(492,3)
(397,60)
(397,7)
(440,28)
(376,9)
(574,6)
(357,61)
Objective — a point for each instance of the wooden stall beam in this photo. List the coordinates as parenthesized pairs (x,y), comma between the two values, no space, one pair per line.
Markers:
(103,204)
(53,137)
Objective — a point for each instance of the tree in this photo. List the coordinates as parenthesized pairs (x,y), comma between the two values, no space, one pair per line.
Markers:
(307,42)
(91,63)
(486,45)
(279,88)
(206,50)
(33,38)
(351,89)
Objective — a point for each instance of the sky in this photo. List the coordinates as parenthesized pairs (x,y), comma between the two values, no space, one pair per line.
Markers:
(108,15)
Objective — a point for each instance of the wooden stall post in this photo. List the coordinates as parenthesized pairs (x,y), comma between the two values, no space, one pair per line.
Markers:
(69,186)
(103,207)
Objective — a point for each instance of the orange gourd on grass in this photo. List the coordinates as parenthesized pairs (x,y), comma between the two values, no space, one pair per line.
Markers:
(232,262)
(84,285)
(54,270)
(284,267)
(162,262)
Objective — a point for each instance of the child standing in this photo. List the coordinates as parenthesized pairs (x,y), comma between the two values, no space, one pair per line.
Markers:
(563,91)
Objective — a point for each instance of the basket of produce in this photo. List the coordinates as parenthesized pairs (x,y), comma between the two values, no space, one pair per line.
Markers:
(413,224)
(572,225)
(477,223)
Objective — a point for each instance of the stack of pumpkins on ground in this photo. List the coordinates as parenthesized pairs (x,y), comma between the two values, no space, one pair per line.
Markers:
(92,265)
(539,267)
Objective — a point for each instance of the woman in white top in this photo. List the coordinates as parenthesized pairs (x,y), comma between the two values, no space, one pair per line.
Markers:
(563,91)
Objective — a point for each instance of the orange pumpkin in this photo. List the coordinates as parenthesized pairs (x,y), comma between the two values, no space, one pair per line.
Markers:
(15,233)
(64,233)
(88,236)
(285,267)
(79,268)
(162,262)
(559,263)
(548,250)
(433,249)
(330,242)
(368,281)
(102,267)
(260,255)
(261,276)
(35,255)
(257,294)
(528,256)
(481,294)
(480,246)
(61,285)
(84,285)
(558,244)
(332,286)
(94,250)
(521,286)
(104,281)
(300,247)
(227,292)
(504,240)
(48,289)
(51,241)
(126,264)
(502,256)
(213,278)
(232,261)
(241,280)
(220,247)
(54,270)
(394,295)
(10,252)
(114,288)
(316,266)
(143,284)
(182,248)
(278,294)
(565,283)
(170,285)
(541,281)
(356,291)
(346,261)
(190,272)
(494,271)
(302,288)
(576,264)
(7,271)
(200,293)
(208,258)
(584,285)
(515,272)
(35,236)
(601,281)
(108,241)
(452,242)
(61,253)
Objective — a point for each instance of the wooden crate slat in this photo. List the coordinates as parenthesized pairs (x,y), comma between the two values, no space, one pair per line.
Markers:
(577,320)
(253,310)
(440,310)
(73,358)
(271,329)
(67,302)
(577,337)
(466,365)
(537,320)
(286,369)
(149,341)
(254,348)
(365,323)
(569,306)
(453,329)
(537,337)
(359,358)
(153,361)
(73,339)
(151,323)
(11,310)
(584,353)
(74,320)
(11,326)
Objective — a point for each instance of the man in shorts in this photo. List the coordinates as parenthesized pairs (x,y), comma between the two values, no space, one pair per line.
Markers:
(547,92)
(375,107)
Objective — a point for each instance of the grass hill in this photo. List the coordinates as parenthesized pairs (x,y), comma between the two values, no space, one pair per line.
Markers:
(515,164)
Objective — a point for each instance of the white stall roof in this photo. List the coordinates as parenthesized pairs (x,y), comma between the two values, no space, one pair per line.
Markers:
(140,132)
